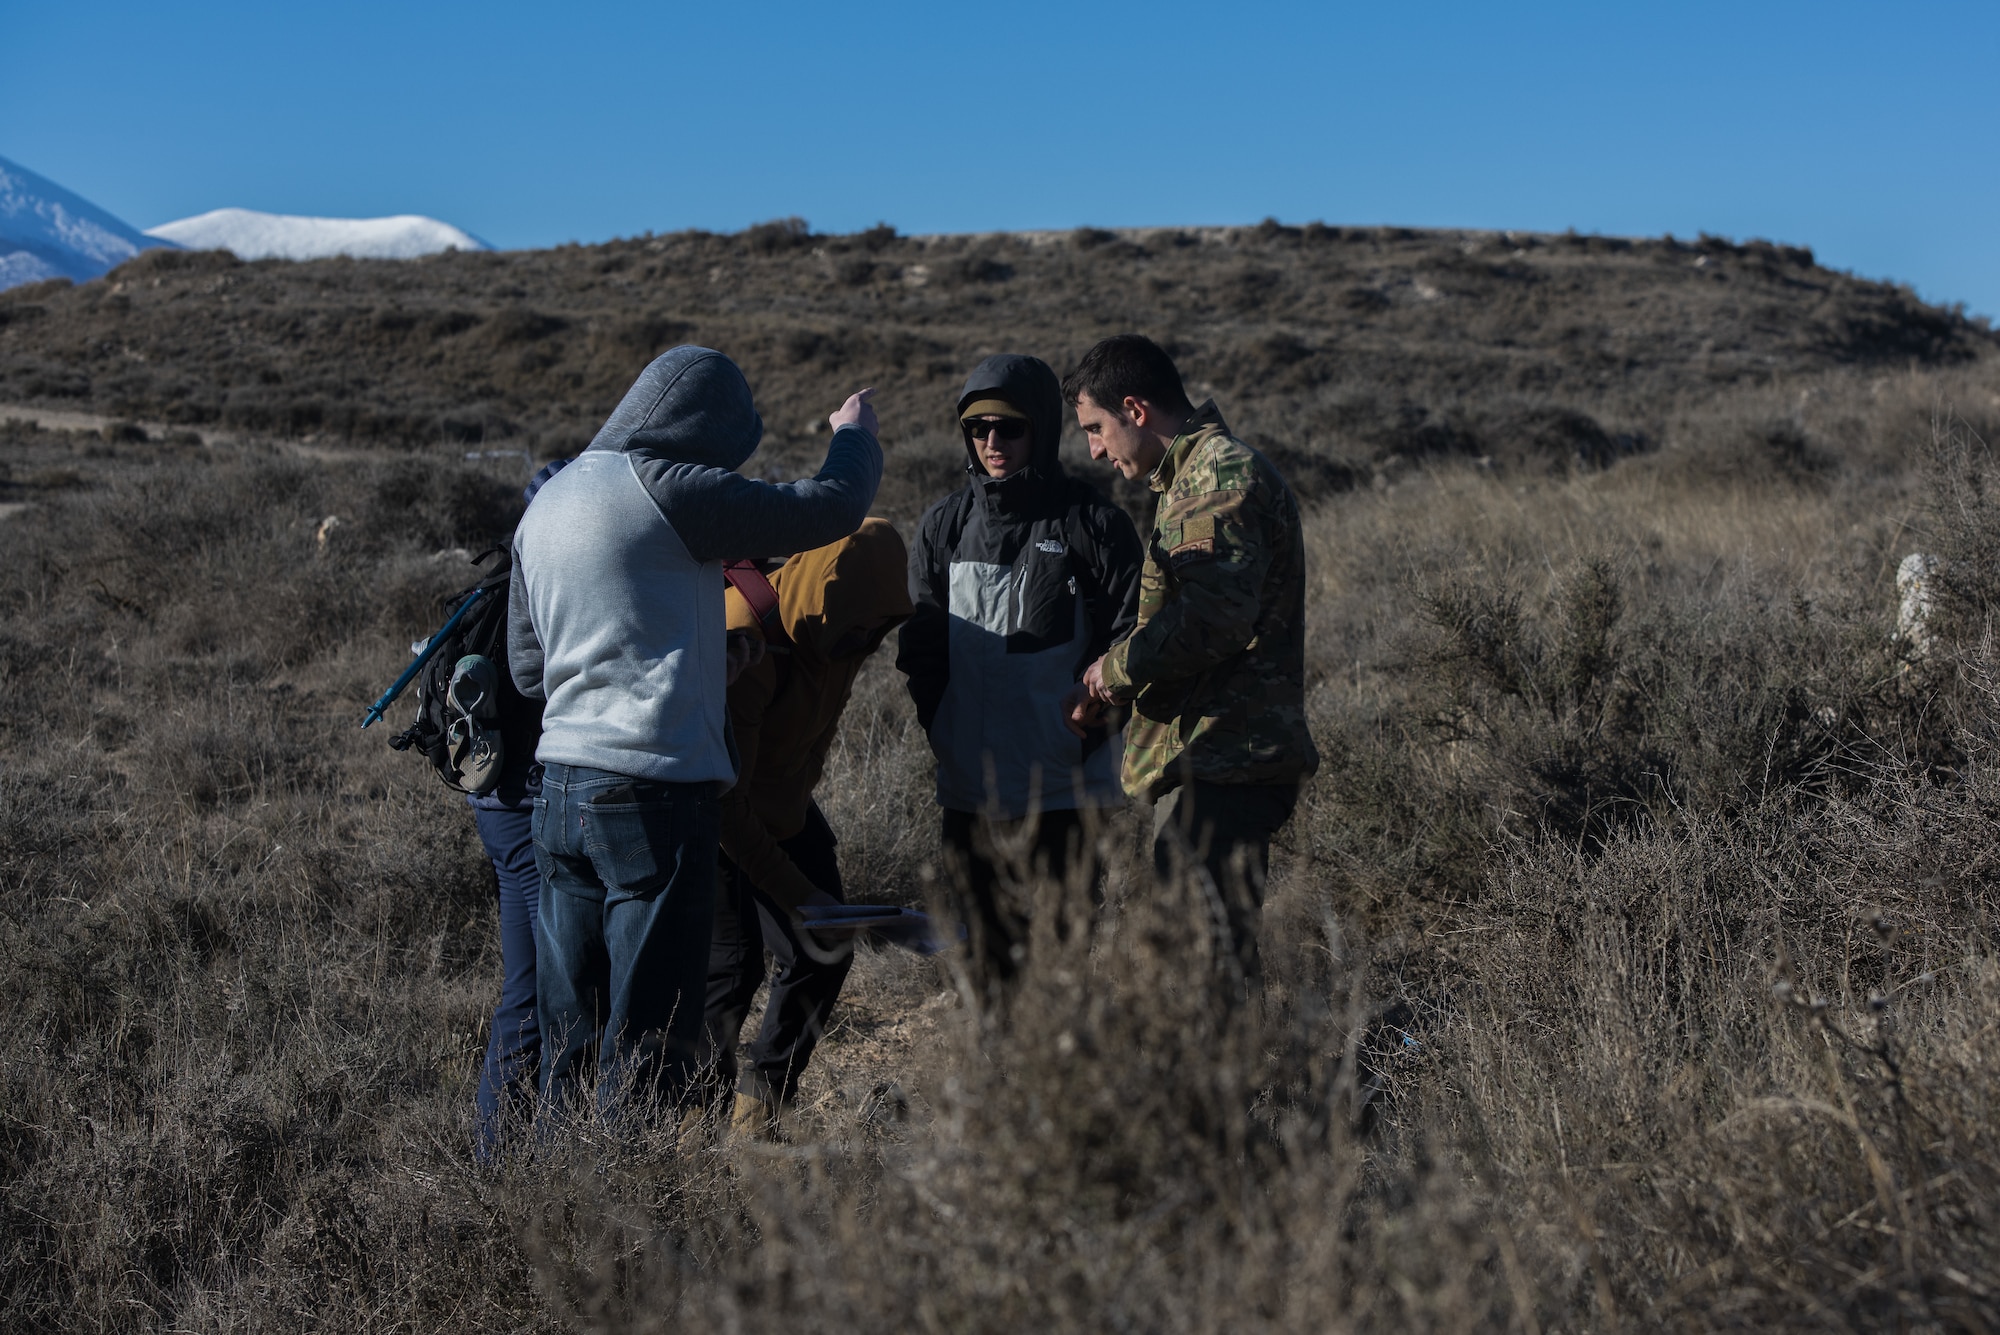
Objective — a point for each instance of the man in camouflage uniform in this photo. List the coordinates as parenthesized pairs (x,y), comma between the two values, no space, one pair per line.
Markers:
(1215,670)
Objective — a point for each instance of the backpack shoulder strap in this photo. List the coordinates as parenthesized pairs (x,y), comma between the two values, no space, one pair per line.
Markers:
(1078,530)
(749,581)
(951,523)
(938,545)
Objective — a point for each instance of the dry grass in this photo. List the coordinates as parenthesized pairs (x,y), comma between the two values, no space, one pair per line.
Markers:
(1631,961)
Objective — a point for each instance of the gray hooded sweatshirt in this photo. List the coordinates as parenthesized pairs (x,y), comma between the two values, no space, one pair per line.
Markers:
(615,613)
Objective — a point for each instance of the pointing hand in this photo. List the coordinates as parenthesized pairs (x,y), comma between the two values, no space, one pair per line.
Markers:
(857,411)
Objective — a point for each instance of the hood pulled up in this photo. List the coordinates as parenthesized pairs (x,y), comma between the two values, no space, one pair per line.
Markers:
(1028,384)
(690,406)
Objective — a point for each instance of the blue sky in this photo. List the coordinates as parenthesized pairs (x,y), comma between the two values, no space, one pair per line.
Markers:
(1865,131)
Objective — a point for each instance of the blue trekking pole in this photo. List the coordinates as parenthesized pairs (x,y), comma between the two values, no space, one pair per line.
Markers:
(388,697)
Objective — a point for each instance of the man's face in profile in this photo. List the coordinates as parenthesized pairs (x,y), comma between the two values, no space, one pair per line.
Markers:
(1115,434)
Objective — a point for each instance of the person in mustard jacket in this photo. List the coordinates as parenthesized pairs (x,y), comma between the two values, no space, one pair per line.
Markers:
(835,605)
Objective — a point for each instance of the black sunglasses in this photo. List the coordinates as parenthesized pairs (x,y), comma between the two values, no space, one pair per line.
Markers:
(1007,428)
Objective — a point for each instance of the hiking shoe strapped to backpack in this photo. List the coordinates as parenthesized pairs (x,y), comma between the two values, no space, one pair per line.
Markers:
(461,685)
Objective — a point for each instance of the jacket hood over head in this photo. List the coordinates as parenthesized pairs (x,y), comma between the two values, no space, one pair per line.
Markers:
(691,406)
(1028,384)
(827,592)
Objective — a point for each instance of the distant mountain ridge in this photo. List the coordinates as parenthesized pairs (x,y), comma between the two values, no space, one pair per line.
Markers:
(250,235)
(49,232)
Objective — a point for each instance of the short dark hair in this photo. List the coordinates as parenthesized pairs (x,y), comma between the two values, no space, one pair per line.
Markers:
(1128,366)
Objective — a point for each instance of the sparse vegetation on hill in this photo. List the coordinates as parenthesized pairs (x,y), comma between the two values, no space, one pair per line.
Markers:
(1632,957)
(1342,348)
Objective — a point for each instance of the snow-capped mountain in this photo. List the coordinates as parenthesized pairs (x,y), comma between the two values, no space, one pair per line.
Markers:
(48,232)
(261,236)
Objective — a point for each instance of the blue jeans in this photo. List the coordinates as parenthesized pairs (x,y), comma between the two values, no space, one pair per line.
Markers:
(514,1051)
(628,901)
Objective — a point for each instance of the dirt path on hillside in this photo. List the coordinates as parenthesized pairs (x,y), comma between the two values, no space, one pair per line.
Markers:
(48,419)
(58,419)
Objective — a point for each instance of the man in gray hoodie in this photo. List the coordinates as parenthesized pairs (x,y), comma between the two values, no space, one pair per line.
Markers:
(616,621)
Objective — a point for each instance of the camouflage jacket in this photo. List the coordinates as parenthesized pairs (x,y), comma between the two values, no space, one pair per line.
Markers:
(1215,670)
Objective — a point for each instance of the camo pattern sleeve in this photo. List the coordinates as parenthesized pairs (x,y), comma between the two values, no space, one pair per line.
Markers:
(1215,670)
(1198,591)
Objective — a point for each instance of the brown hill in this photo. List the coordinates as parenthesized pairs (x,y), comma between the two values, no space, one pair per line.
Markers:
(1339,347)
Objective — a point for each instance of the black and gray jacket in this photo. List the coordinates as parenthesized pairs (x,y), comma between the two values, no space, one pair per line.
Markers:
(1018,586)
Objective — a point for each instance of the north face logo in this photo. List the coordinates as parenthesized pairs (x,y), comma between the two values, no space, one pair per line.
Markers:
(1051,546)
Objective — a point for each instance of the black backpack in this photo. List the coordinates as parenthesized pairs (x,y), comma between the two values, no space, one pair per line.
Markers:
(465,738)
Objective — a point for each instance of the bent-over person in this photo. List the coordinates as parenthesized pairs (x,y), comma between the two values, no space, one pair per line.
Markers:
(834,606)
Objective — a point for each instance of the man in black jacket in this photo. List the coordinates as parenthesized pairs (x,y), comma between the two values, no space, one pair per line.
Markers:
(1019,581)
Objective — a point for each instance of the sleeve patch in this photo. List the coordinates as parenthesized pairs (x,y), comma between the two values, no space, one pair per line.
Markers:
(1199,549)
(1198,529)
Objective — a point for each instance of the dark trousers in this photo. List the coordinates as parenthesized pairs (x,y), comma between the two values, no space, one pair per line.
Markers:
(802,994)
(990,867)
(1221,833)
(514,1049)
(628,902)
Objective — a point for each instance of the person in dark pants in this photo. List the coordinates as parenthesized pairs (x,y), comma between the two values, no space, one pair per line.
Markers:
(505,818)
(803,992)
(1020,578)
(991,867)
(828,610)
(1215,670)
(514,1047)
(1225,829)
